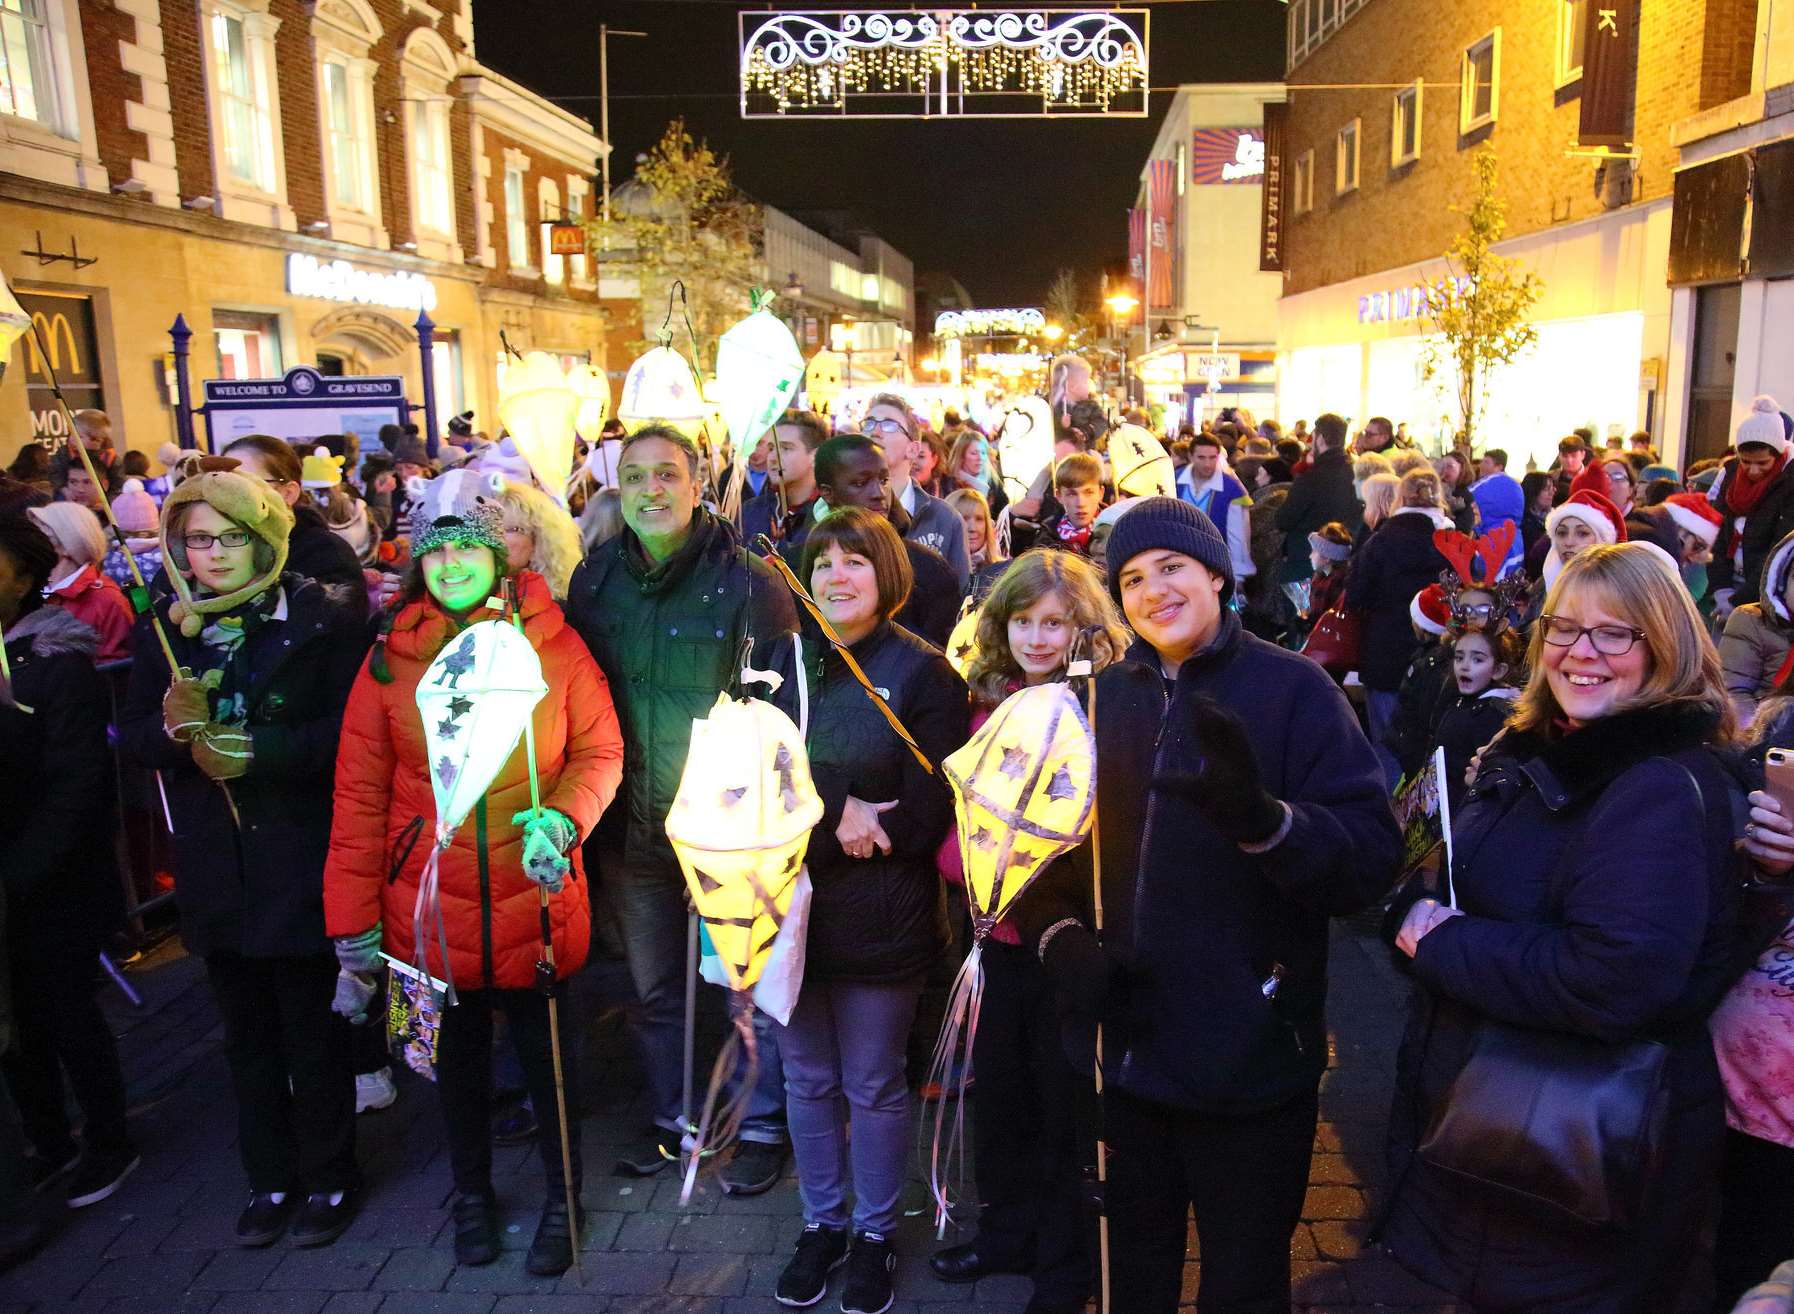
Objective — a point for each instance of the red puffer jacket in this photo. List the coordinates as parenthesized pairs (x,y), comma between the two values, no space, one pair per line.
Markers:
(383,796)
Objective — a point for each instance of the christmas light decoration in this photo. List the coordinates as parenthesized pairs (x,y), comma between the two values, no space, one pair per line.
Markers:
(988,323)
(944,62)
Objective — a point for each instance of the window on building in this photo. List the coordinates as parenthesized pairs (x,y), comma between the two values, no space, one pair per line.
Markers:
(578,189)
(1479,85)
(28,64)
(248,345)
(1345,159)
(548,212)
(1572,34)
(516,221)
(1404,134)
(1302,183)
(248,146)
(431,180)
(1183,167)
(343,138)
(445,367)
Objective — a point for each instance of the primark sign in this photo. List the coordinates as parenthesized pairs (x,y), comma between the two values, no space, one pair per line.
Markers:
(338,280)
(1405,303)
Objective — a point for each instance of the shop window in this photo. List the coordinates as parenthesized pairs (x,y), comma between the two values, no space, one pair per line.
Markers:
(248,345)
(1302,183)
(1345,159)
(1404,133)
(548,210)
(1480,84)
(1572,35)
(342,34)
(516,221)
(426,68)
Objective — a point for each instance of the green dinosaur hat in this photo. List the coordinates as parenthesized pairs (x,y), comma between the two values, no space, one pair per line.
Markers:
(245,501)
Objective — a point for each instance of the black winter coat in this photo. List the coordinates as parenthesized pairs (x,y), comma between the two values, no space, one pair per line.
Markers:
(1321,493)
(1466,723)
(669,639)
(60,871)
(1398,562)
(1771,520)
(1196,927)
(882,919)
(318,552)
(1426,687)
(1600,892)
(258,891)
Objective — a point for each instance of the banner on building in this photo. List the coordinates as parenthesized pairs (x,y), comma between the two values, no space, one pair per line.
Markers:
(1162,227)
(1226,155)
(1610,54)
(1270,203)
(1136,245)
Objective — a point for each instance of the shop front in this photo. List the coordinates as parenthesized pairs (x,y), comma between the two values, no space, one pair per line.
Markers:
(1359,348)
(1196,383)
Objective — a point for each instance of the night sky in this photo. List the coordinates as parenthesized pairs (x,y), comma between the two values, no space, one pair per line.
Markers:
(999,204)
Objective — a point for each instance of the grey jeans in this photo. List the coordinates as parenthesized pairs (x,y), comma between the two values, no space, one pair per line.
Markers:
(844,1055)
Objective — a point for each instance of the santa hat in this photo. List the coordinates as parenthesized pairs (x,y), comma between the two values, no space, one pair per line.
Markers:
(1694,515)
(1431,609)
(1765,426)
(1593,478)
(1594,510)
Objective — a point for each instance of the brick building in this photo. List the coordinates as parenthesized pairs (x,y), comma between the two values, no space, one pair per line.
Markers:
(297,178)
(1388,100)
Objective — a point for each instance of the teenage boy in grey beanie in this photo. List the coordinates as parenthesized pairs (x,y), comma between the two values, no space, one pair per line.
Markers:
(1265,815)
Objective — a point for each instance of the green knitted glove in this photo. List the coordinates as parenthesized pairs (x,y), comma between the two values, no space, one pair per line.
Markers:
(546,836)
(360,953)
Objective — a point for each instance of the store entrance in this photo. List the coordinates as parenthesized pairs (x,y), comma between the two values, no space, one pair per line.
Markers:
(362,342)
(1715,366)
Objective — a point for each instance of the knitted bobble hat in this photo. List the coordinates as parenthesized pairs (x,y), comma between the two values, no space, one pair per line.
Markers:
(245,501)
(1170,523)
(134,508)
(1764,426)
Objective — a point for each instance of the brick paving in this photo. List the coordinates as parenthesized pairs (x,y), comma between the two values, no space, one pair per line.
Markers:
(162,1243)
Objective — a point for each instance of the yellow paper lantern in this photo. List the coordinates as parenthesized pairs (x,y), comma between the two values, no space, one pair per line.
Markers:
(1141,466)
(962,644)
(660,387)
(593,388)
(539,408)
(739,826)
(824,379)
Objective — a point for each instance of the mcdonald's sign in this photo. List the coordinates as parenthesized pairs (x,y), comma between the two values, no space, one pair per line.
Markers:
(65,326)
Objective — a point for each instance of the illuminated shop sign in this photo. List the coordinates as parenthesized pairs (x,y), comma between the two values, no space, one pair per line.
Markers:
(338,280)
(1403,303)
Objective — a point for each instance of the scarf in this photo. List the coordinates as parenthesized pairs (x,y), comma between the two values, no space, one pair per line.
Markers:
(1073,537)
(1743,491)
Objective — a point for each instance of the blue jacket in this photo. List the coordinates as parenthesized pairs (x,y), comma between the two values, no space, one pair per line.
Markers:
(1195,926)
(1499,500)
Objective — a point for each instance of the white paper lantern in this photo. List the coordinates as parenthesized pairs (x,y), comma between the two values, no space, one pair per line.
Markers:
(660,387)
(593,388)
(538,408)
(758,367)
(474,699)
(1141,466)
(1025,444)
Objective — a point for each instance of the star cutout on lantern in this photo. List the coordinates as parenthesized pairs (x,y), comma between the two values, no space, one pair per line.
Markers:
(1020,857)
(459,707)
(733,796)
(447,729)
(446,771)
(1060,786)
(963,651)
(982,838)
(1015,762)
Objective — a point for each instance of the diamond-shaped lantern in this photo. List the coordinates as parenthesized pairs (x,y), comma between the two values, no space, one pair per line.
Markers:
(593,387)
(1141,466)
(740,824)
(758,368)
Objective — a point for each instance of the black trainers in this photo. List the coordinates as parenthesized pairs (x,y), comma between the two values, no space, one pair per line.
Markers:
(820,1251)
(551,1253)
(755,1169)
(264,1218)
(868,1287)
(476,1228)
(45,1173)
(645,1157)
(99,1174)
(321,1222)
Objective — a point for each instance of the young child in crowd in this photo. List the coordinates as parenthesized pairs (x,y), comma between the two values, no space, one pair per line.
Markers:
(1329,552)
(1487,670)
(137,514)
(1078,484)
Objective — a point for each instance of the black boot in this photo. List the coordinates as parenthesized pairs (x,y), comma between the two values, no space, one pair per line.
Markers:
(476,1228)
(551,1253)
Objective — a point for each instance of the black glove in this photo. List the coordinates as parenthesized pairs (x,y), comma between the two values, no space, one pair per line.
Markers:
(1086,977)
(1225,786)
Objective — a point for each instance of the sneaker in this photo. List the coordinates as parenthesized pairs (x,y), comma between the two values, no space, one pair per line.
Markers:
(645,1157)
(820,1251)
(264,1218)
(322,1220)
(45,1173)
(551,1252)
(514,1123)
(868,1287)
(476,1228)
(755,1169)
(374,1090)
(99,1174)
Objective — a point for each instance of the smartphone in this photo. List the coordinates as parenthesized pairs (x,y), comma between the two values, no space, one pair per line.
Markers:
(1778,778)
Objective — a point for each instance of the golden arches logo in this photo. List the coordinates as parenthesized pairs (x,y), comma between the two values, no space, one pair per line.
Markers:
(52,329)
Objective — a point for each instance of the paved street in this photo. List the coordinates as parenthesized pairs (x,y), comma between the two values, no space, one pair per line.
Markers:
(163,1242)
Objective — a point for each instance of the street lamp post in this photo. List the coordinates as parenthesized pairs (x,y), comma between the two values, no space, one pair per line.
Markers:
(605,33)
(1121,305)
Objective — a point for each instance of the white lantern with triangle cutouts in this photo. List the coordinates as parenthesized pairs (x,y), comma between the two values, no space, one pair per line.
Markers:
(660,388)
(1140,464)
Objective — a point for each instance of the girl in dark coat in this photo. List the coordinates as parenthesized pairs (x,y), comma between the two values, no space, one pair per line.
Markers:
(1595,896)
(1486,668)
(245,740)
(879,914)
(60,876)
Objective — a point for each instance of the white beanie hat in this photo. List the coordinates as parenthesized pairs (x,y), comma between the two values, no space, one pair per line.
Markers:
(73,529)
(1763,426)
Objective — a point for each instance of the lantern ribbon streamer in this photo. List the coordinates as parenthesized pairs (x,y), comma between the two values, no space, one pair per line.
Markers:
(426,918)
(778,563)
(946,1157)
(720,1123)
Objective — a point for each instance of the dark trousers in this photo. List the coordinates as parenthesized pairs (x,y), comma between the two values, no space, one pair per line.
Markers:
(289,1065)
(1025,1146)
(464,1082)
(1245,1178)
(1756,1215)
(648,901)
(58,1028)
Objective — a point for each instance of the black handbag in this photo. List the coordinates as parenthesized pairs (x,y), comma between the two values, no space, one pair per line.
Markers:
(1554,1119)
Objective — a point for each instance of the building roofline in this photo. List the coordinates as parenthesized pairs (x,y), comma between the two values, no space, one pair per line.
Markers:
(530,117)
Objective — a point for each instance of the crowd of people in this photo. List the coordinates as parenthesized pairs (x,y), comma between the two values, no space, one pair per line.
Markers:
(1591,1109)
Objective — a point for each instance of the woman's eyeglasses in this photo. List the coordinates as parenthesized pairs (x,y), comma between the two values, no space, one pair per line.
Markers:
(230,538)
(1609,640)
